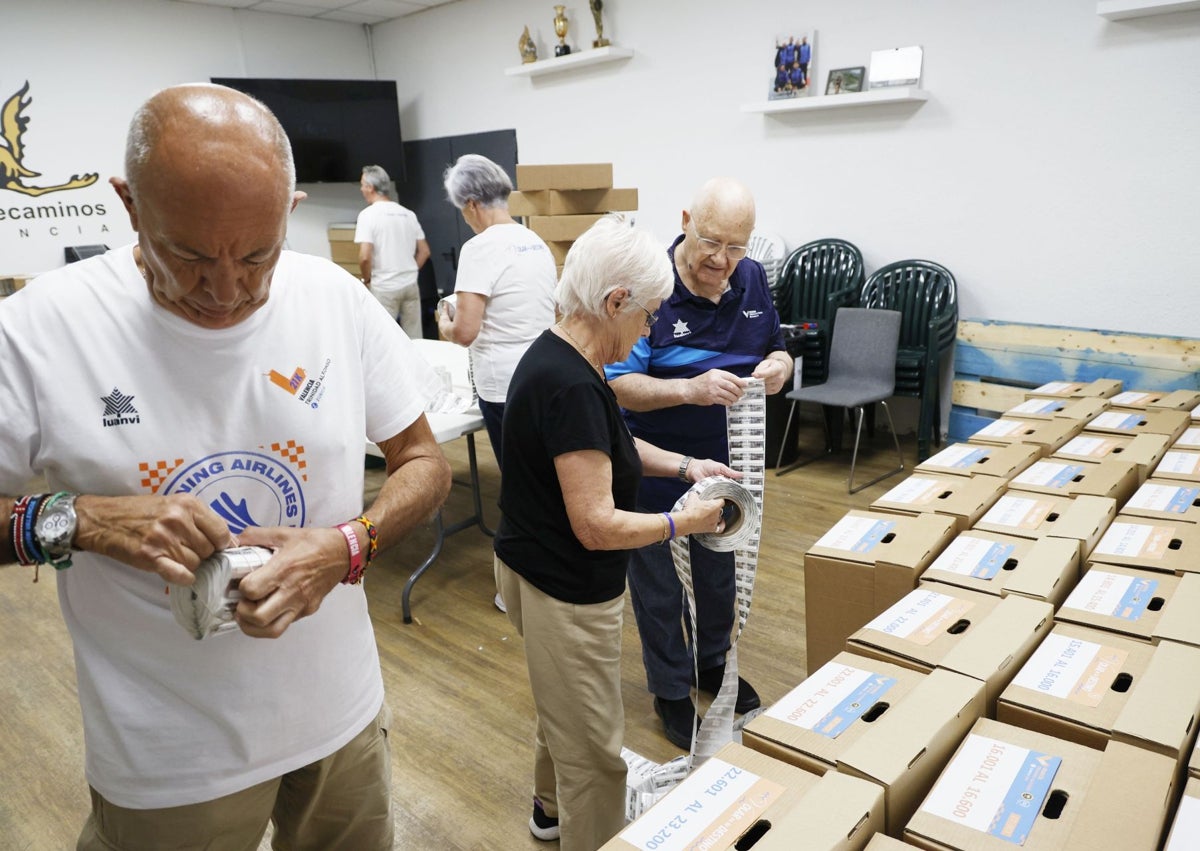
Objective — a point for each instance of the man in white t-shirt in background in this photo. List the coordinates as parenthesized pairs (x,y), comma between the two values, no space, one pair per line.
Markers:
(391,250)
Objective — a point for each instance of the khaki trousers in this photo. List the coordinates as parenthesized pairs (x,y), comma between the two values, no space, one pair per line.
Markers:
(574,659)
(340,802)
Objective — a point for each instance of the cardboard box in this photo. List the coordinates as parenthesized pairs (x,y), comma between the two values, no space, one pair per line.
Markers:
(1156,421)
(883,842)
(10,284)
(1049,407)
(1196,414)
(1156,545)
(569,202)
(940,626)
(1090,687)
(559,251)
(738,791)
(1031,515)
(970,459)
(1164,499)
(1126,600)
(1185,829)
(564,176)
(1116,479)
(874,720)
(1104,387)
(863,564)
(1043,569)
(1194,762)
(1179,465)
(1180,621)
(1115,799)
(1142,400)
(964,498)
(1190,439)
(1047,435)
(1145,450)
(561,228)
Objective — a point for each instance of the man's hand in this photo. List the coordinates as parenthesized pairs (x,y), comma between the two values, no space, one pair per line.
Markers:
(167,535)
(773,372)
(715,387)
(308,563)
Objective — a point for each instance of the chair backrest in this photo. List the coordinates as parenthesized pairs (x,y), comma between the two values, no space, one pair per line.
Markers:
(924,292)
(769,249)
(818,278)
(864,345)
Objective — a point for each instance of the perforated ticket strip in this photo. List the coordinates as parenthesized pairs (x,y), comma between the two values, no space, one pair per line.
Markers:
(746,424)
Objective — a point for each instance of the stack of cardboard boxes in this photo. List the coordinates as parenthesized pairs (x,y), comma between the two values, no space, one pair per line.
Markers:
(343,249)
(1006,648)
(560,202)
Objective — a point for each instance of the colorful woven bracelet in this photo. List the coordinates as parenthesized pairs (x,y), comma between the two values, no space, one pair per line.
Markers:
(372,538)
(354,574)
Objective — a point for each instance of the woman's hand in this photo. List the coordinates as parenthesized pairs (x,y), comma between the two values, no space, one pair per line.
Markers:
(699,515)
(702,468)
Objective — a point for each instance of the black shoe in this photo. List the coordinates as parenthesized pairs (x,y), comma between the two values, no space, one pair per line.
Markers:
(747,697)
(541,825)
(677,717)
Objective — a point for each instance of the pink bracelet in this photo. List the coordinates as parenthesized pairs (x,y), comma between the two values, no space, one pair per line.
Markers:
(354,574)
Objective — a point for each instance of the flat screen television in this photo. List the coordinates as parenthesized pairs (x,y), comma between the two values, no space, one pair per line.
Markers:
(335,126)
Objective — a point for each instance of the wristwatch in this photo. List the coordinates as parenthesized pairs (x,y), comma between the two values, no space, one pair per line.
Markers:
(55,529)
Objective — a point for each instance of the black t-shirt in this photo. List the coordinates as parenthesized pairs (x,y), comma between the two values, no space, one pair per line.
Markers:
(557,404)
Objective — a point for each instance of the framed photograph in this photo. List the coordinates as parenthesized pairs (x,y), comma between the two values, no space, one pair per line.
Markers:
(794,64)
(899,66)
(842,80)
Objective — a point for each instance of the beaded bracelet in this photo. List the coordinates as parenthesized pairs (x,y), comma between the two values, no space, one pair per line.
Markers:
(354,574)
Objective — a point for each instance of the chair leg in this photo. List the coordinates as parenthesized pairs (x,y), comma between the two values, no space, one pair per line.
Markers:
(800,462)
(899,455)
(783,441)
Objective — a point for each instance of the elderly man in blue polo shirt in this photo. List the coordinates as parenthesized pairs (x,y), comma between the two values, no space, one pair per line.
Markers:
(717,327)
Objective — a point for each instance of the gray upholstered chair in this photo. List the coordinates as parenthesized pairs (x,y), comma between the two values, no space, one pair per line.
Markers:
(862,371)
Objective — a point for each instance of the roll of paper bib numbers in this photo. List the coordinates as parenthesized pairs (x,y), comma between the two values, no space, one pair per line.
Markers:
(206,607)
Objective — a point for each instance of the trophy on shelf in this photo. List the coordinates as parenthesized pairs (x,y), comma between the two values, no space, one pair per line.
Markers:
(597,6)
(560,29)
(528,48)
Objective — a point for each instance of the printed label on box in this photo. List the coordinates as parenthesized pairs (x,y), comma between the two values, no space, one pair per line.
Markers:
(1179,463)
(1037,406)
(1114,594)
(994,787)
(1071,669)
(1049,474)
(1196,413)
(716,800)
(915,490)
(1018,512)
(1002,428)
(921,617)
(1185,830)
(832,699)
(970,556)
(856,534)
(1057,388)
(1117,421)
(1190,437)
(1135,540)
(1131,397)
(1166,498)
(1089,447)
(958,456)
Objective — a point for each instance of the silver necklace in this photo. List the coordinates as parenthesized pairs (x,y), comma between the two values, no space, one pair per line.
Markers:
(584,351)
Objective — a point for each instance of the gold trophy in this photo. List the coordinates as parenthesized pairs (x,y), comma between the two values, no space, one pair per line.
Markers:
(560,30)
(527,47)
(596,6)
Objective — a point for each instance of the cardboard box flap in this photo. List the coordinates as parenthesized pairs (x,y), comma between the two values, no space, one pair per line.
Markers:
(1126,803)
(901,738)
(994,646)
(837,814)
(1162,708)
(1178,400)
(1180,619)
(1048,571)
(1086,518)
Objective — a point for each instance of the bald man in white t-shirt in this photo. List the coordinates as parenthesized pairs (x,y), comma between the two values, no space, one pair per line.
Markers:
(391,250)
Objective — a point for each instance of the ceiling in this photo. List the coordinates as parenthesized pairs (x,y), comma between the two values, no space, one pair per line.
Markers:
(353,11)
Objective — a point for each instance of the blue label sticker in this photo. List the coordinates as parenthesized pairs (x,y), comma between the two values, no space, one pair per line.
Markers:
(993,560)
(1129,423)
(1064,476)
(854,706)
(1183,499)
(873,536)
(1025,797)
(1136,598)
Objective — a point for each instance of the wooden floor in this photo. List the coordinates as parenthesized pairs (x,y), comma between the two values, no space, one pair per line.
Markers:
(455,677)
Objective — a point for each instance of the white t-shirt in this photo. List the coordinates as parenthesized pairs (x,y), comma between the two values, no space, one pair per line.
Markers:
(106,392)
(393,232)
(513,269)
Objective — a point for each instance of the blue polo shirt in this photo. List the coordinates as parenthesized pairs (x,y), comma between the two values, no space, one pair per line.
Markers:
(692,336)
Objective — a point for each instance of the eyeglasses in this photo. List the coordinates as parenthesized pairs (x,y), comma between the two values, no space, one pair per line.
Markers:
(709,247)
(651,318)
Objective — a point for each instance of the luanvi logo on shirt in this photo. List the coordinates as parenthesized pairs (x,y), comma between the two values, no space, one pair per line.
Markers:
(752,314)
(119,410)
(307,390)
(681,329)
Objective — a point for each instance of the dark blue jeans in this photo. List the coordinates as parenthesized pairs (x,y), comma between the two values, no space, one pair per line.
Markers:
(493,417)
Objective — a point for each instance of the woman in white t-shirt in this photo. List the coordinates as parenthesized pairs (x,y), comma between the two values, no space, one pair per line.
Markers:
(504,291)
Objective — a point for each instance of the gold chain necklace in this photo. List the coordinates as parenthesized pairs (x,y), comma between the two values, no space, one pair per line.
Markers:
(584,351)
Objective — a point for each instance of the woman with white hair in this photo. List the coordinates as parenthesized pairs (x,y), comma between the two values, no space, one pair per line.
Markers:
(568,523)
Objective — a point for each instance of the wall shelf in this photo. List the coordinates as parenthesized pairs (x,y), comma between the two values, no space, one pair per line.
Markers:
(1119,10)
(583,58)
(897,94)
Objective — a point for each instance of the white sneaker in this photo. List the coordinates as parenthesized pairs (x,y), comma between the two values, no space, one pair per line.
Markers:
(499,601)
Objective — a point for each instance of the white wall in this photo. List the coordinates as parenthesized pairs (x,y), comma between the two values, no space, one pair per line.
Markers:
(1054,169)
(91,63)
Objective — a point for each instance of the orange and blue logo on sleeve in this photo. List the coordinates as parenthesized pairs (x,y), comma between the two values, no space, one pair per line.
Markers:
(298,384)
